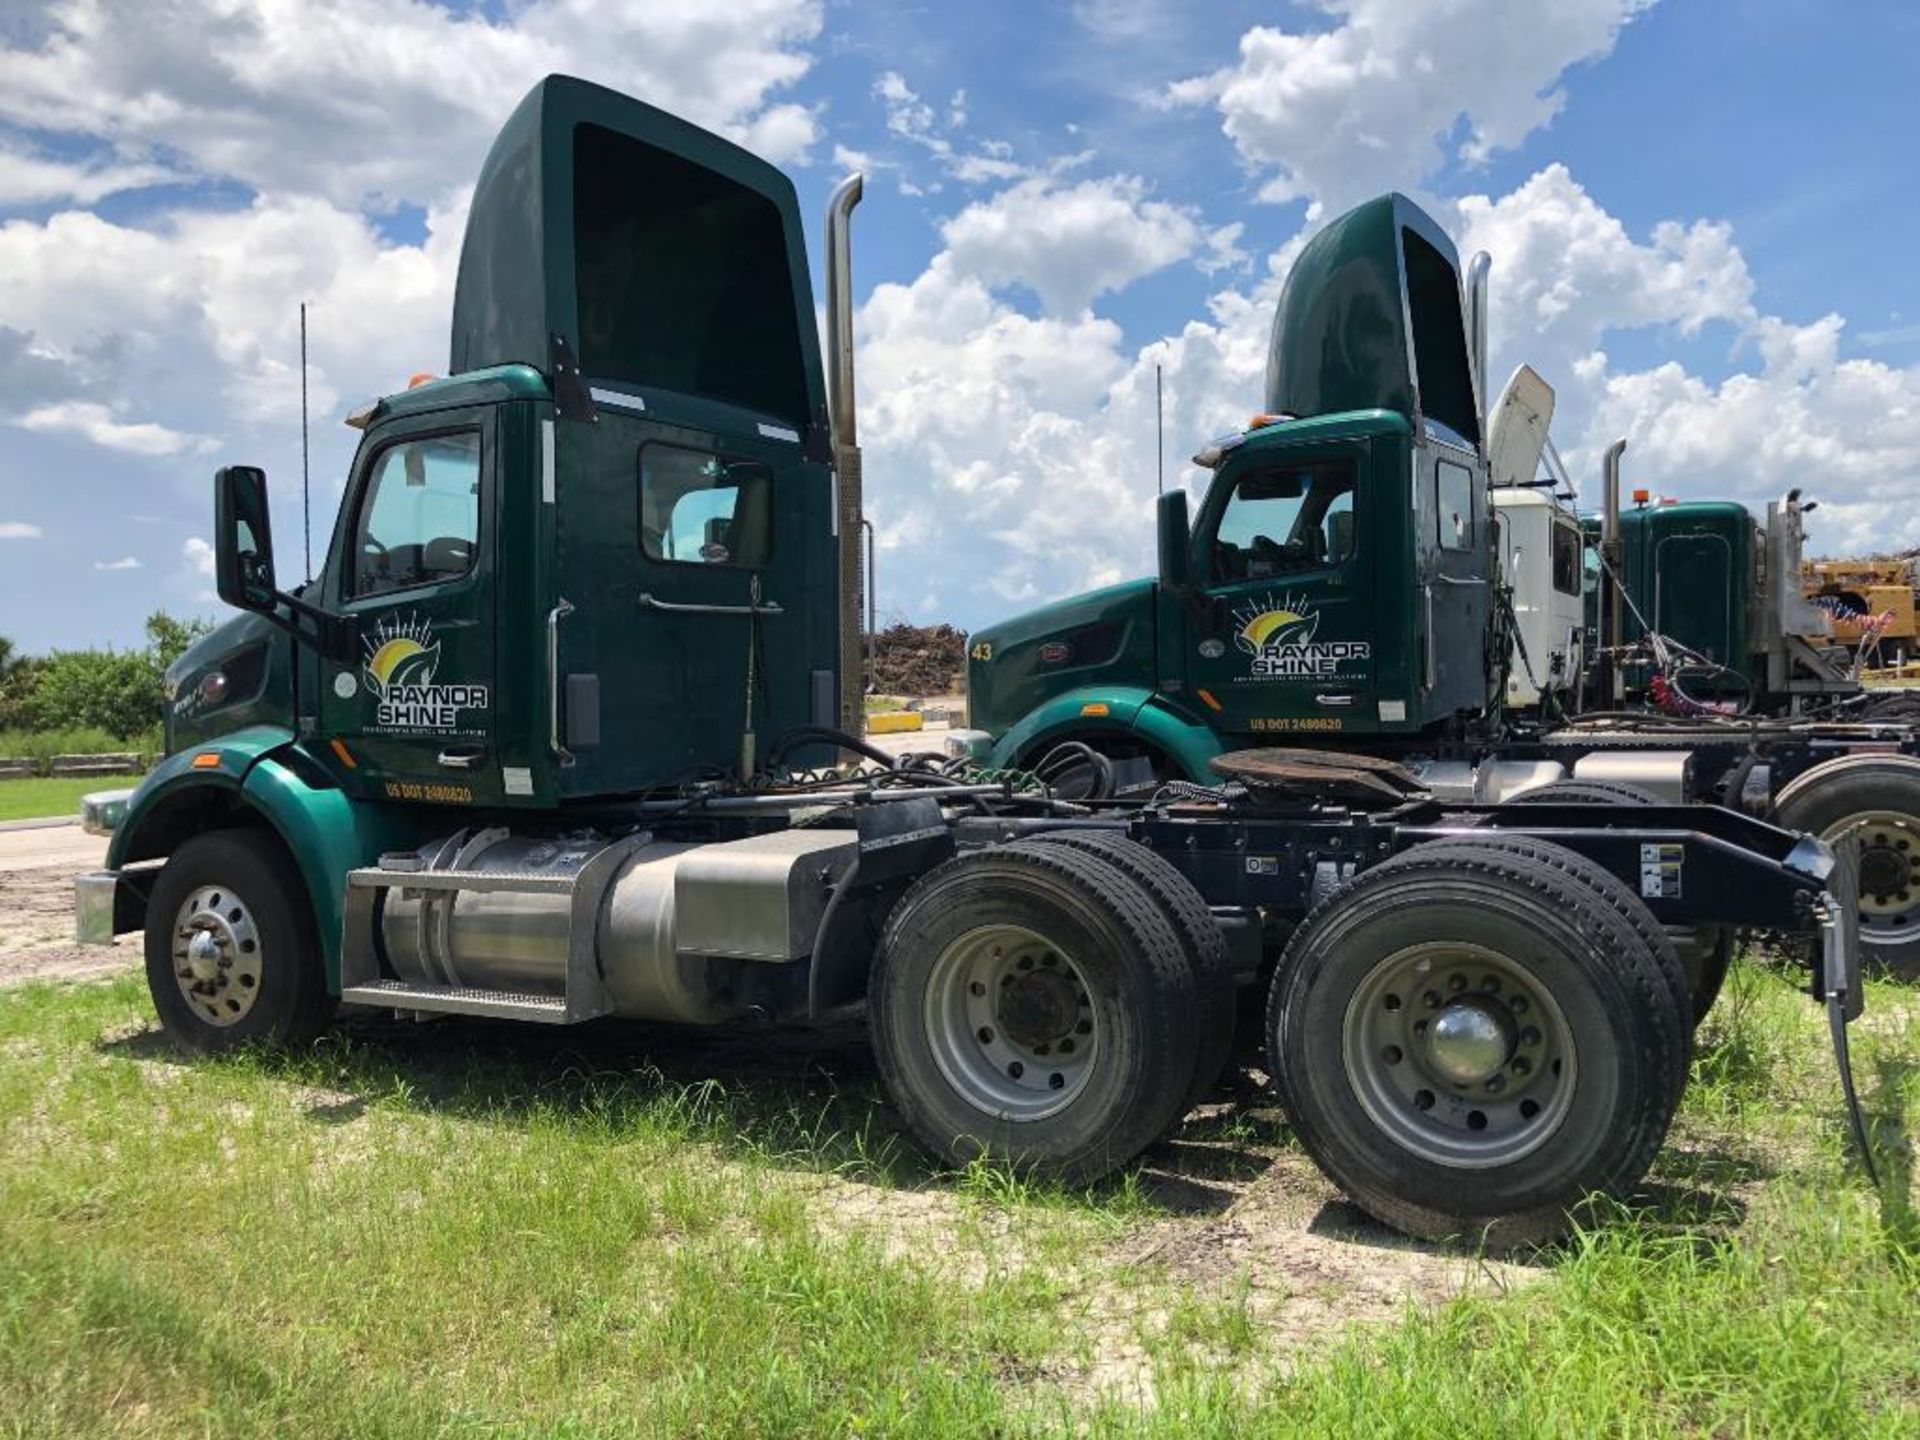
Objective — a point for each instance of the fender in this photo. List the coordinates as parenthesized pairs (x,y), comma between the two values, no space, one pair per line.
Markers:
(261,776)
(1134,712)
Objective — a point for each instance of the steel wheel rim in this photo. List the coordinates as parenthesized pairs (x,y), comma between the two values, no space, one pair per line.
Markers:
(216,955)
(1889,840)
(1460,1054)
(1011,1023)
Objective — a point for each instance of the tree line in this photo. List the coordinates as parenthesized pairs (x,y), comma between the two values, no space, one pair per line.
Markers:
(116,691)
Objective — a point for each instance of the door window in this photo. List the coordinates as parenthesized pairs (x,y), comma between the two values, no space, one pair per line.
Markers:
(1566,559)
(419,520)
(699,508)
(1286,518)
(1453,492)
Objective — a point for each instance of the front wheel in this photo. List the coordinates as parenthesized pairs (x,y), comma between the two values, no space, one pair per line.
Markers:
(232,957)
(1470,1042)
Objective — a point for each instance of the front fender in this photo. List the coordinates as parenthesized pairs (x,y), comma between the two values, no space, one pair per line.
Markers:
(182,790)
(258,776)
(1107,710)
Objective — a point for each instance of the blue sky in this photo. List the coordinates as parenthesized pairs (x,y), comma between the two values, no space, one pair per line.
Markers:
(1699,213)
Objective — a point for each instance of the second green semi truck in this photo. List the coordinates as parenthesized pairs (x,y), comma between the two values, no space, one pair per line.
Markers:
(1343,586)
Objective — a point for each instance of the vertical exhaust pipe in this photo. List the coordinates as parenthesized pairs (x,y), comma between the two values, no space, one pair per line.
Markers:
(848,516)
(1614,617)
(1477,269)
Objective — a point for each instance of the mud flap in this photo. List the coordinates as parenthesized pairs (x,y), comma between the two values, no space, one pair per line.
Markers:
(1839,911)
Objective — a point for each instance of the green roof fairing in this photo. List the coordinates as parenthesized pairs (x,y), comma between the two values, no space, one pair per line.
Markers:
(666,257)
(1371,319)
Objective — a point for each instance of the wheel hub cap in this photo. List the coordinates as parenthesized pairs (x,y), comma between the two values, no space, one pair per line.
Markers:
(1011,1022)
(1038,1008)
(1889,874)
(1459,1053)
(216,955)
(1469,1041)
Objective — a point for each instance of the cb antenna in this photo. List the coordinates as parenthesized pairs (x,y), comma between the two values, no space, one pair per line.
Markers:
(306,497)
(1159,433)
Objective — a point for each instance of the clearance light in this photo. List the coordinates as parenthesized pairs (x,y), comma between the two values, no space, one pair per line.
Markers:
(1206,697)
(415,381)
(207,760)
(1640,497)
(1096,709)
(346,755)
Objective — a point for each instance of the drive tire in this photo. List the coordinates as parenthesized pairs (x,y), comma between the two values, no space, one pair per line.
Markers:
(1596,995)
(242,889)
(979,919)
(1704,951)
(1187,912)
(1876,797)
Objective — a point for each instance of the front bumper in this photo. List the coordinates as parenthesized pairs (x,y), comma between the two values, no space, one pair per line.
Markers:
(107,903)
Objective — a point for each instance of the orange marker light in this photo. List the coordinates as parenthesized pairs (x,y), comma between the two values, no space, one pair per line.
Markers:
(1640,497)
(346,755)
(1206,698)
(415,381)
(206,760)
(1096,708)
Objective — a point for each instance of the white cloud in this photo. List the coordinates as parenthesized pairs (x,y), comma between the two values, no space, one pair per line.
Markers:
(18,530)
(381,100)
(1069,243)
(198,556)
(27,179)
(1340,114)
(125,562)
(97,423)
(912,119)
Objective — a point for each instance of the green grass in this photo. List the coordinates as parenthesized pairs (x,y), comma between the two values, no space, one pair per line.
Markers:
(470,1230)
(37,796)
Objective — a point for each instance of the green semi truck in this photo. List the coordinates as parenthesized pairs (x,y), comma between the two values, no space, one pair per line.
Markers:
(1345,585)
(556,736)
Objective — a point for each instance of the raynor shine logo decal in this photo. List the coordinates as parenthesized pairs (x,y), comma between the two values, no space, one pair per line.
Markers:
(1277,633)
(401,670)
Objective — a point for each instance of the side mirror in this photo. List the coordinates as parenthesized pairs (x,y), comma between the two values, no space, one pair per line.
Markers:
(243,540)
(1176,544)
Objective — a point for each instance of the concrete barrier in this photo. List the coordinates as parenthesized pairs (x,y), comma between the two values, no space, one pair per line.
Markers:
(116,763)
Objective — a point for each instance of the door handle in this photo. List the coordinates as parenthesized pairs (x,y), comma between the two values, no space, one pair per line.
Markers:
(463,757)
(1334,697)
(765,607)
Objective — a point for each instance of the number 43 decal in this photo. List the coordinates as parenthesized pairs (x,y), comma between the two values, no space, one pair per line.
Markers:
(982,651)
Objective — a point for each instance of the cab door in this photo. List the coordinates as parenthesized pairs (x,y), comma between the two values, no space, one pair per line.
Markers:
(1283,639)
(412,717)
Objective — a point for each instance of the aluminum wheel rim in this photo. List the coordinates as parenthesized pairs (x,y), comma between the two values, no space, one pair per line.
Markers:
(216,955)
(1459,1054)
(1889,851)
(1011,1023)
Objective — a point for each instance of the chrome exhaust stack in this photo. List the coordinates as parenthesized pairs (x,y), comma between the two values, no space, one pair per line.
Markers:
(848,515)
(1477,270)
(1615,616)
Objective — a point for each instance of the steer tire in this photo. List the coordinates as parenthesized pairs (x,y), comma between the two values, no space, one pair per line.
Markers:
(242,887)
(1606,887)
(1189,915)
(1017,921)
(1876,798)
(1704,951)
(1366,985)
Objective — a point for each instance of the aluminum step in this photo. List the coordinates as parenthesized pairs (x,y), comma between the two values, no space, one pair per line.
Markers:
(450,1000)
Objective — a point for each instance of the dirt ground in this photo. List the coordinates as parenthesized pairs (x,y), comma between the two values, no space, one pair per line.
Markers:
(1241,1213)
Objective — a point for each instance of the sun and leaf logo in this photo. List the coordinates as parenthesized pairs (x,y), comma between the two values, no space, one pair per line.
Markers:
(400,652)
(1266,623)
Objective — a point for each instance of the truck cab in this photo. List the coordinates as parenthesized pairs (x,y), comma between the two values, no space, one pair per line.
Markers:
(1337,576)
